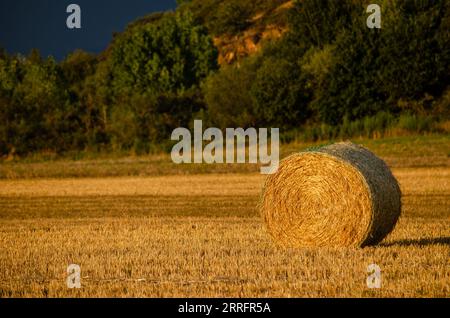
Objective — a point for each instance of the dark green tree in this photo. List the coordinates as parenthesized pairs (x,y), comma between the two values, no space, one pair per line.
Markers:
(228,95)
(171,55)
(38,107)
(280,94)
(150,64)
(415,49)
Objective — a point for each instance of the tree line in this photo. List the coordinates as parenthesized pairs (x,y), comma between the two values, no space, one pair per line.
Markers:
(162,73)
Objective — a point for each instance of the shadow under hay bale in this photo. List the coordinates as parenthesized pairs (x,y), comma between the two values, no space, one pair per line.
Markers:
(338,195)
(418,242)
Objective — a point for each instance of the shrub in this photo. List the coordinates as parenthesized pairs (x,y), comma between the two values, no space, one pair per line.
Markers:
(228,95)
(280,96)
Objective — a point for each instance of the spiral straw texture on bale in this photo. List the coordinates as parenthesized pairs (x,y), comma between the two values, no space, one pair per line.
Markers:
(338,195)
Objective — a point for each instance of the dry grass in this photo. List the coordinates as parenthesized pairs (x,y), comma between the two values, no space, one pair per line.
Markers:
(412,151)
(201,236)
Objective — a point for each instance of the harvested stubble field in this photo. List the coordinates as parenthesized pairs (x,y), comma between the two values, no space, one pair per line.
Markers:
(200,235)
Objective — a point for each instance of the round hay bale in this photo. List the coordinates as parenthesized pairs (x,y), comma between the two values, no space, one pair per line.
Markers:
(338,195)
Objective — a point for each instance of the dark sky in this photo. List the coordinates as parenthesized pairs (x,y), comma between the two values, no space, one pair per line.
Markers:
(27,24)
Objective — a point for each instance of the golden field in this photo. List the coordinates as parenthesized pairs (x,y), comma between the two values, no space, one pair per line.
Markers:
(200,235)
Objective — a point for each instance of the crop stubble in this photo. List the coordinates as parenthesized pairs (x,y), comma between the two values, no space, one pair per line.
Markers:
(200,236)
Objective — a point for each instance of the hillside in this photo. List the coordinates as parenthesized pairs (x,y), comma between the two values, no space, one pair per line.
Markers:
(239,28)
(265,24)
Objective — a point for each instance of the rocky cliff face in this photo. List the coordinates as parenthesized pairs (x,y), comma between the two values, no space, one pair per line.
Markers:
(234,48)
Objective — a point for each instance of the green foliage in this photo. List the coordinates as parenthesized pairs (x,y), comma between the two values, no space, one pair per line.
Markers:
(318,22)
(78,71)
(34,107)
(146,84)
(228,95)
(170,111)
(171,55)
(357,72)
(231,17)
(77,66)
(143,122)
(414,49)
(280,96)
(380,125)
(415,123)
(156,70)
(349,88)
(328,77)
(9,75)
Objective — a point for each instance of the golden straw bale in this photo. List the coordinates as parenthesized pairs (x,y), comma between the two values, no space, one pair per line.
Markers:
(338,195)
